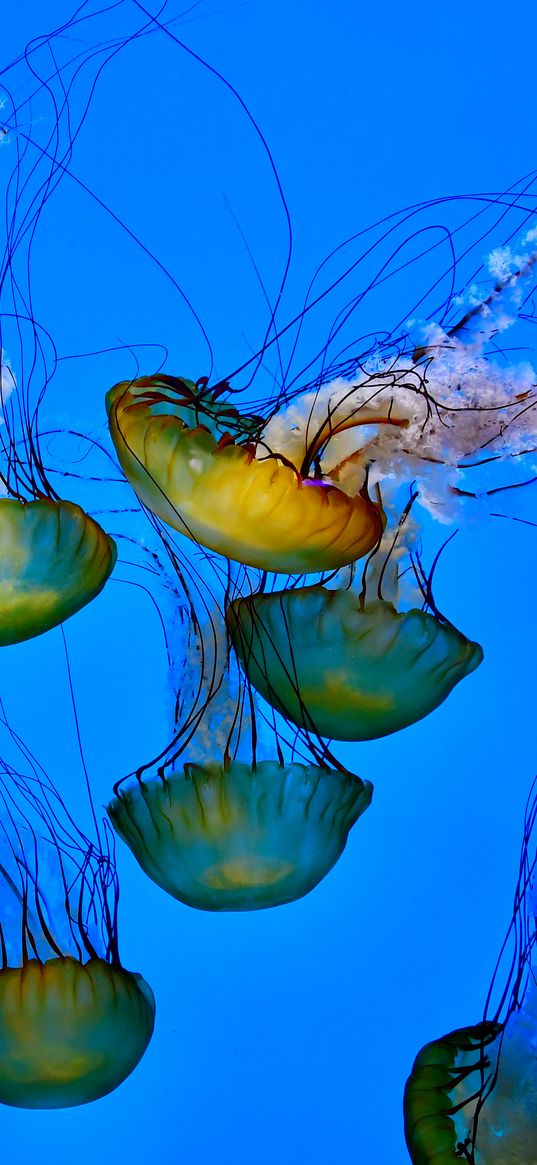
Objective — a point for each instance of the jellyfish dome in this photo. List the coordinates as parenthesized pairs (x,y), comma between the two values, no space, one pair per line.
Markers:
(74,1023)
(257,510)
(54,559)
(239,837)
(345,670)
(70,1031)
(445,1076)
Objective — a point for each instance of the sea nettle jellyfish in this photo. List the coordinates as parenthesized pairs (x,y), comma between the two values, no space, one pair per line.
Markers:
(225,822)
(236,835)
(472,1094)
(54,559)
(222,487)
(343,661)
(74,1023)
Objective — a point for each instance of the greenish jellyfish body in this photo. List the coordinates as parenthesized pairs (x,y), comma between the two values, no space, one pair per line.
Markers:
(441,1094)
(74,1023)
(240,838)
(194,475)
(344,671)
(70,1032)
(54,559)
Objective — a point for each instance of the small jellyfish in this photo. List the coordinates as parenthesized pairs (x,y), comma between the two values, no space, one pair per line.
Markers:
(74,1023)
(239,836)
(54,559)
(175,446)
(346,664)
(472,1095)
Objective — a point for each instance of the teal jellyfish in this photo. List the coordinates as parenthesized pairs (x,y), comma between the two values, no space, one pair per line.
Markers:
(74,1022)
(70,1031)
(225,821)
(345,666)
(54,559)
(472,1094)
(239,836)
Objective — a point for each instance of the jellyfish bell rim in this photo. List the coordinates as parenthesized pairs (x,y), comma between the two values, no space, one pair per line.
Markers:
(71,992)
(197,832)
(256,511)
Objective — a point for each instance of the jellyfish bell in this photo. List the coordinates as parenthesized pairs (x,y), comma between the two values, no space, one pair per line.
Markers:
(253,509)
(472,1095)
(344,670)
(54,559)
(238,836)
(74,1023)
(70,1031)
(448,1073)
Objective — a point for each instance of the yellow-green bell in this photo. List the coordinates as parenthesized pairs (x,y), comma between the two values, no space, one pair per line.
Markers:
(54,559)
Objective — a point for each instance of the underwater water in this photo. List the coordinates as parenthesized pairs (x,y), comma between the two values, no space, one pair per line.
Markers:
(283,1034)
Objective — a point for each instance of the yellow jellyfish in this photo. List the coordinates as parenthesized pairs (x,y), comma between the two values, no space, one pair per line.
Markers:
(176,449)
(73,1021)
(54,559)
(239,836)
(70,1031)
(345,670)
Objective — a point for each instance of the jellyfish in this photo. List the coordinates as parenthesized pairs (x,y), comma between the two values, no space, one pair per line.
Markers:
(241,836)
(346,671)
(258,510)
(74,1022)
(343,661)
(54,559)
(472,1094)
